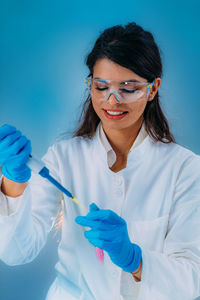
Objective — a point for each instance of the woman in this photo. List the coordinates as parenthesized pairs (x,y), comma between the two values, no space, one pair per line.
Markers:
(141,189)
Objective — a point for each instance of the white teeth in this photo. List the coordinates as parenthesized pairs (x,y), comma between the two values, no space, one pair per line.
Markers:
(114,112)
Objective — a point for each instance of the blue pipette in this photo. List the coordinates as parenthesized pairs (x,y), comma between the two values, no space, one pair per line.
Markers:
(39,167)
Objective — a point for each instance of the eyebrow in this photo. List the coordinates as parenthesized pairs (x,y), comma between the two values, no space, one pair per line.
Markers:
(129,80)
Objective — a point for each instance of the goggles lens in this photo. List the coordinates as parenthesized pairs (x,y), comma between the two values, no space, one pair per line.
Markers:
(126,91)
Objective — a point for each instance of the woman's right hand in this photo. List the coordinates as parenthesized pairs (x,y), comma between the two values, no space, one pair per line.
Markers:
(14,153)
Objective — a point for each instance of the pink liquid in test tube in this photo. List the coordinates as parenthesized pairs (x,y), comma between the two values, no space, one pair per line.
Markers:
(100,254)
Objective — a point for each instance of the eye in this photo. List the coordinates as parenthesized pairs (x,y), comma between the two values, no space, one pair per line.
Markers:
(101,89)
(99,86)
(129,91)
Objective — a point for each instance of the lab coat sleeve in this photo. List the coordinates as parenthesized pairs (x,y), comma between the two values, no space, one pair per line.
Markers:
(8,205)
(25,221)
(175,273)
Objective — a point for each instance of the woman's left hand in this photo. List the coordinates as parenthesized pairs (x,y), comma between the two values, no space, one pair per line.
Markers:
(109,232)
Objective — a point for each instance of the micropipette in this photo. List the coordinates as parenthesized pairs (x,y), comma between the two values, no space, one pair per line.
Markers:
(39,167)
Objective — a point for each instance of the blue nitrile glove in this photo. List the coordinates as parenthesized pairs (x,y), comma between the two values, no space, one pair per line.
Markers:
(14,153)
(109,232)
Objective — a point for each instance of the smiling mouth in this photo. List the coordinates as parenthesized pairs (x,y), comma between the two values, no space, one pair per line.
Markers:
(115,112)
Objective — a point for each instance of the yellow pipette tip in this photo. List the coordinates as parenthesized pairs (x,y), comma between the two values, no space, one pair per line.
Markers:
(77,202)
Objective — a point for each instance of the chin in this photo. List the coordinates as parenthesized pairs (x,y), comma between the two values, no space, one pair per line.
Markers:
(114,125)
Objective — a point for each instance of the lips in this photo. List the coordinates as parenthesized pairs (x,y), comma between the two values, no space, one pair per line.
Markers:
(115,117)
(117,110)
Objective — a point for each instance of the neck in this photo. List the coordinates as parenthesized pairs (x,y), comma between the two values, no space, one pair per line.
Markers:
(123,139)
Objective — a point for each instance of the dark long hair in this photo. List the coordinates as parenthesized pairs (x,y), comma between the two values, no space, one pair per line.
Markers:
(134,48)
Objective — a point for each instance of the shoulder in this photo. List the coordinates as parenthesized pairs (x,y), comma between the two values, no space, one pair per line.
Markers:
(174,152)
(72,145)
(182,160)
(65,153)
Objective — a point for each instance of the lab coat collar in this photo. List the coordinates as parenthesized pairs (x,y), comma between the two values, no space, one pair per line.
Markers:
(136,152)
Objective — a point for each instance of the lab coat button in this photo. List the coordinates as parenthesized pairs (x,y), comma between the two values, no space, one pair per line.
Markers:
(119,192)
(118,180)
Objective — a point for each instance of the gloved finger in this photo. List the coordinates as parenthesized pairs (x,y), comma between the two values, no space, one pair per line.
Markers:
(104,245)
(5,130)
(9,140)
(105,214)
(14,148)
(18,145)
(108,235)
(81,220)
(93,207)
(24,152)
(22,156)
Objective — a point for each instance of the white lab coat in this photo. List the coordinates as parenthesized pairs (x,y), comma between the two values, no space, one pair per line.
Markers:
(158,194)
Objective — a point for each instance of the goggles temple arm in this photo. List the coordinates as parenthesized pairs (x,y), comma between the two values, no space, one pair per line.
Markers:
(149,87)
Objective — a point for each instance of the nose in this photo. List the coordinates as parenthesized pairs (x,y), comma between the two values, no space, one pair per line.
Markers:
(112,97)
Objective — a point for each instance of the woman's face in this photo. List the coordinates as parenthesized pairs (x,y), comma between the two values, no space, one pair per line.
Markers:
(109,70)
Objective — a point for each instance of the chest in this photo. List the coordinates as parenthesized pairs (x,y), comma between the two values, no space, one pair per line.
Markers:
(119,164)
(140,192)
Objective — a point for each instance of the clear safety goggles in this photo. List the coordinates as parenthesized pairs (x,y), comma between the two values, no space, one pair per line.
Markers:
(125,91)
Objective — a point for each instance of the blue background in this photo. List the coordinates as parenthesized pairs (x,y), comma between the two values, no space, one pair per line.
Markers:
(43,45)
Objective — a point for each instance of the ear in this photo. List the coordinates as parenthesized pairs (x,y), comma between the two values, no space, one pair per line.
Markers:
(154,89)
